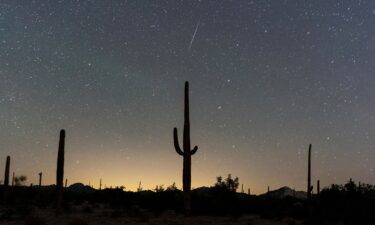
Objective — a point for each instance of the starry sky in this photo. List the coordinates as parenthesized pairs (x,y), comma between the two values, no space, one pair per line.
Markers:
(267,78)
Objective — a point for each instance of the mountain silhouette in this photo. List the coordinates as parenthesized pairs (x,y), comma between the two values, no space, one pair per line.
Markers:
(79,187)
(284,192)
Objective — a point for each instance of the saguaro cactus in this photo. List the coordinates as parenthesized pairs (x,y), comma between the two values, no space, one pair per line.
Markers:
(139,189)
(6,175)
(186,153)
(318,187)
(40,179)
(60,169)
(13,178)
(6,179)
(309,186)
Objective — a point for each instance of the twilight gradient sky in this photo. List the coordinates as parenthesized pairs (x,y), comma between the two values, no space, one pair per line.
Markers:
(266,78)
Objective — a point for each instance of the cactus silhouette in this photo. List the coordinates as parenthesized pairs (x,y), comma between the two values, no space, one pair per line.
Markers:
(13,177)
(309,186)
(6,175)
(60,169)
(40,179)
(186,152)
(6,179)
(318,187)
(139,189)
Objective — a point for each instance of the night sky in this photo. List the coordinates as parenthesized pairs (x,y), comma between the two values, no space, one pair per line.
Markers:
(267,78)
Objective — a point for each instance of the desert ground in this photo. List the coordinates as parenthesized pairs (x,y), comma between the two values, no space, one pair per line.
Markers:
(102,215)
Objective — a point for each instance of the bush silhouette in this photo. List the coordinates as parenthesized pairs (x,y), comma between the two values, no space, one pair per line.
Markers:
(228,184)
(20,180)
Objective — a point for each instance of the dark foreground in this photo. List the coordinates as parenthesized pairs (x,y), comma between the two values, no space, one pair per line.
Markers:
(348,204)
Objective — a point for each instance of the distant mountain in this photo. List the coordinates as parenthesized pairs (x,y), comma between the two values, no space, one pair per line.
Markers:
(285,192)
(202,190)
(79,187)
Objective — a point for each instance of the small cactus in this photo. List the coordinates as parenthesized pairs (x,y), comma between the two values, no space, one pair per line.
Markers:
(13,178)
(318,187)
(40,179)
(139,189)
(186,152)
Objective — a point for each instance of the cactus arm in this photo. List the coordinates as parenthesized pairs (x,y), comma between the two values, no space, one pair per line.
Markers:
(194,150)
(176,145)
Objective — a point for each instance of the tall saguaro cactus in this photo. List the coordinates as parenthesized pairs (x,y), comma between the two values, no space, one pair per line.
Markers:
(309,186)
(186,152)
(60,169)
(6,180)
(7,169)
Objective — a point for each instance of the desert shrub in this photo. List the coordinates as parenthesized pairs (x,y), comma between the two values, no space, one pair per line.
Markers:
(7,214)
(116,213)
(67,207)
(229,184)
(78,221)
(78,202)
(290,221)
(96,206)
(24,210)
(250,221)
(20,180)
(134,211)
(35,220)
(87,209)
(143,217)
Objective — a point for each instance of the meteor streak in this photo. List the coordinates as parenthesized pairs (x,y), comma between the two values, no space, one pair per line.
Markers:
(195,32)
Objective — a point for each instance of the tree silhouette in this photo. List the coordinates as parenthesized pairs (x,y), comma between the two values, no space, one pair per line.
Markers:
(228,184)
(20,180)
